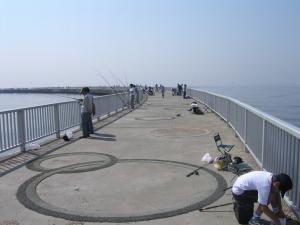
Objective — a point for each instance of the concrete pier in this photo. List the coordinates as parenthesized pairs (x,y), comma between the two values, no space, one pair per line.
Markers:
(132,170)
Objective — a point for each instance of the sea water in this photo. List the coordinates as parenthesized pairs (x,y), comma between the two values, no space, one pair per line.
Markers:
(15,101)
(281,102)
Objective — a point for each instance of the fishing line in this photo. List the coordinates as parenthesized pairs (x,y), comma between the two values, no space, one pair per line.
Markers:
(63,96)
(116,78)
(109,85)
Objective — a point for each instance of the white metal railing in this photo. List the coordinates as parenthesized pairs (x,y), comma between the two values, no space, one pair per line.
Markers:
(273,143)
(21,126)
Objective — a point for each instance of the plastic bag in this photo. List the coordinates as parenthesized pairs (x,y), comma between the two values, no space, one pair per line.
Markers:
(207,158)
(69,134)
(33,146)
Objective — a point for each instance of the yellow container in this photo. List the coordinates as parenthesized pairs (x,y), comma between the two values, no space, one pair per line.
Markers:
(219,165)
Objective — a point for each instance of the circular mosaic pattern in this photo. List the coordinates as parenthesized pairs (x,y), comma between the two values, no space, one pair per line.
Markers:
(154,118)
(104,160)
(180,132)
(28,196)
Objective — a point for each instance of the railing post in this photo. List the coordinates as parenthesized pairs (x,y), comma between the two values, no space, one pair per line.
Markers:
(263,144)
(214,107)
(245,131)
(123,107)
(228,112)
(21,129)
(235,120)
(56,120)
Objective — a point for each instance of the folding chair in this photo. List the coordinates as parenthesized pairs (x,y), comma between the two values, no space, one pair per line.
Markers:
(222,148)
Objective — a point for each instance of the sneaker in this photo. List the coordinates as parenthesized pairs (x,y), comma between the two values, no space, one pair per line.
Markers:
(254,221)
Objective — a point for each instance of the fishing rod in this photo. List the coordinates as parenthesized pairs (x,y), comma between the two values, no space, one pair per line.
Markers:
(116,78)
(63,96)
(138,101)
(195,172)
(126,81)
(109,85)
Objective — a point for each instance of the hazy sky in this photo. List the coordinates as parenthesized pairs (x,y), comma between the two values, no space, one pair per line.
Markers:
(225,42)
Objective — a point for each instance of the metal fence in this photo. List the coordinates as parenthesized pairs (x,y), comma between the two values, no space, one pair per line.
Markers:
(21,126)
(272,142)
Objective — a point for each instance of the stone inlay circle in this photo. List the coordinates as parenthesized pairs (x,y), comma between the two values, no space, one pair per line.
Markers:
(104,160)
(28,196)
(180,132)
(154,118)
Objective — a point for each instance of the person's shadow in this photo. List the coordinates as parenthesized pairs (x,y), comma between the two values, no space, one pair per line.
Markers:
(103,137)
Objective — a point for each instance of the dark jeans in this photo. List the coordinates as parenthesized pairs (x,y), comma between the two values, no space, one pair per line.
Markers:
(86,124)
(243,206)
(132,101)
(247,197)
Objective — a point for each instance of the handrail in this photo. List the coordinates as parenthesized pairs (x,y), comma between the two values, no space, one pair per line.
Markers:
(95,97)
(276,121)
(23,125)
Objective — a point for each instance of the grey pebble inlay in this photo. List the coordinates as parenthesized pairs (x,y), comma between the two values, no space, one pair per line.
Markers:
(28,196)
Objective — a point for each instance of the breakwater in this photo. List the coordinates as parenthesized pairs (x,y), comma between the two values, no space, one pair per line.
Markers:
(65,90)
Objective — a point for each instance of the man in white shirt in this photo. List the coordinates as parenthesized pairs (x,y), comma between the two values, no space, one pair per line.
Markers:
(262,187)
(86,113)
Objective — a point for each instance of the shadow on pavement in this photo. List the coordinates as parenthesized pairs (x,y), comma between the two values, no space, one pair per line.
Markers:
(104,135)
(101,138)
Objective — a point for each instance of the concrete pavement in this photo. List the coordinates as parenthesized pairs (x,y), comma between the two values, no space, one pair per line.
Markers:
(131,171)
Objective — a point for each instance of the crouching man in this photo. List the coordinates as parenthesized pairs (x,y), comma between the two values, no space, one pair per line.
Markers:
(262,187)
(195,108)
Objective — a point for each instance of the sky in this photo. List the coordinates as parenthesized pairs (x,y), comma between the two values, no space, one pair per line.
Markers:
(117,42)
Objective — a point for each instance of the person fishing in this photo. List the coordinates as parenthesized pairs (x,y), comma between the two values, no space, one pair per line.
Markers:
(86,113)
(195,109)
(262,187)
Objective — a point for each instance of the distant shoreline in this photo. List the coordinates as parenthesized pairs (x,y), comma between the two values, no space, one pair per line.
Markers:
(64,90)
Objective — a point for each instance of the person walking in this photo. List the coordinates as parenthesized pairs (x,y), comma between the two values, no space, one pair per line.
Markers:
(162,89)
(262,187)
(131,95)
(137,93)
(86,113)
(184,91)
